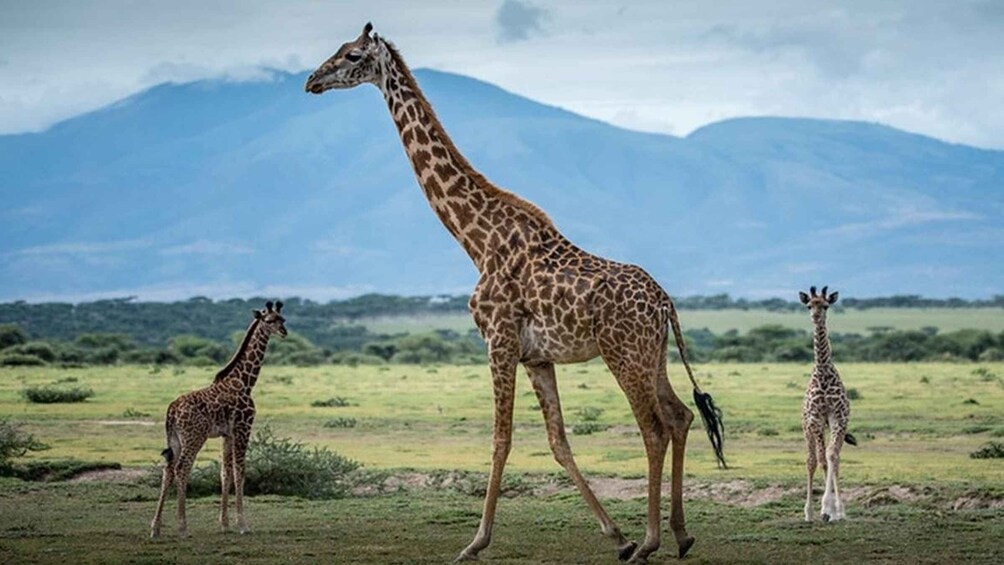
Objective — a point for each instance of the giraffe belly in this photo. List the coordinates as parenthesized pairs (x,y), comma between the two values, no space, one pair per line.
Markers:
(556,345)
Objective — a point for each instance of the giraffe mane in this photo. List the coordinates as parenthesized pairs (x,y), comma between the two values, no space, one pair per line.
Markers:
(466,168)
(240,353)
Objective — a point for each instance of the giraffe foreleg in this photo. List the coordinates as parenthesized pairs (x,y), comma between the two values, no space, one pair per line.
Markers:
(833,508)
(503,364)
(226,481)
(811,452)
(545,386)
(241,439)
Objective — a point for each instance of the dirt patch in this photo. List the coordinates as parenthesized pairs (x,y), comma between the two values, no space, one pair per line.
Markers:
(977,501)
(110,476)
(125,422)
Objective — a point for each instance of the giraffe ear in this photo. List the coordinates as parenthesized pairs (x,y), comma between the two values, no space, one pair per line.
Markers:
(803,297)
(833,297)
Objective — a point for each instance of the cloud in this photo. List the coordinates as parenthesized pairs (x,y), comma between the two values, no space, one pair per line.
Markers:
(207,247)
(83,248)
(899,218)
(518,21)
(217,291)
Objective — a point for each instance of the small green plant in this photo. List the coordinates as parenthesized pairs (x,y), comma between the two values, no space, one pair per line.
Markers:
(587,428)
(985,375)
(340,422)
(130,413)
(333,402)
(283,379)
(14,443)
(971,401)
(990,450)
(925,380)
(767,432)
(853,394)
(52,395)
(281,466)
(589,413)
(583,386)
(977,429)
(65,380)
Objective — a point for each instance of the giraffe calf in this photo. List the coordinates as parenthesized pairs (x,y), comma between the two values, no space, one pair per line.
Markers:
(826,406)
(223,409)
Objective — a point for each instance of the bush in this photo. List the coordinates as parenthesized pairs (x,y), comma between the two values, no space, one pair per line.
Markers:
(20,360)
(587,428)
(340,423)
(10,335)
(39,349)
(333,402)
(589,413)
(53,395)
(281,466)
(14,443)
(990,450)
(853,394)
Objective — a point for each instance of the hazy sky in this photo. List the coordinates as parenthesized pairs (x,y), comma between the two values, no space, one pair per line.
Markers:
(932,67)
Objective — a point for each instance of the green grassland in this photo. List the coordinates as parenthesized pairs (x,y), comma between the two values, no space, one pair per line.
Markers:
(718,321)
(916,424)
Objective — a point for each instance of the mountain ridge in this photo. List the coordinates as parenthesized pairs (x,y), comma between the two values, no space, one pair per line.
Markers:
(165,190)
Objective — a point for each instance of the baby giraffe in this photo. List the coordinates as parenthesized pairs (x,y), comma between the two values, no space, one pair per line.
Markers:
(224,408)
(825,405)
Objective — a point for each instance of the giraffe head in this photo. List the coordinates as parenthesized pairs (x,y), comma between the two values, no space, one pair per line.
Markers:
(354,63)
(818,303)
(271,319)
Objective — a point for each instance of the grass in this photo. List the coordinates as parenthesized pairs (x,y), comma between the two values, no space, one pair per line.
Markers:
(912,420)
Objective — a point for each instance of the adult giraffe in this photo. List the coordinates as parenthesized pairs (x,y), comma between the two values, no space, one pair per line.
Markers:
(540,300)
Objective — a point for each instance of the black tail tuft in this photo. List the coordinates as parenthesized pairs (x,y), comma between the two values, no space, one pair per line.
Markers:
(168,454)
(712,417)
(850,439)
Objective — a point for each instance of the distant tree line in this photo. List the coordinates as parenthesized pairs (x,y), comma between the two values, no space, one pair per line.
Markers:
(770,343)
(332,325)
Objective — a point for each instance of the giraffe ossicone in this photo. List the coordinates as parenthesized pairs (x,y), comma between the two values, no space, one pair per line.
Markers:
(223,409)
(825,406)
(540,301)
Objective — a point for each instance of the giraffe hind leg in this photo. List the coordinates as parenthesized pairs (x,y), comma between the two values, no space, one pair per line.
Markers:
(545,386)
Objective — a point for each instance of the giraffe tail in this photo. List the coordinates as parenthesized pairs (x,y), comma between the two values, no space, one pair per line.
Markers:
(169,422)
(850,439)
(711,415)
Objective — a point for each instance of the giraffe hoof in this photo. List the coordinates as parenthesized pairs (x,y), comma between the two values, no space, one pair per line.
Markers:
(685,546)
(625,551)
(464,556)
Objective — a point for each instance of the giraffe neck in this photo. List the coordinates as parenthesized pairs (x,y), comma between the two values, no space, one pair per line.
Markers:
(479,215)
(246,362)
(820,339)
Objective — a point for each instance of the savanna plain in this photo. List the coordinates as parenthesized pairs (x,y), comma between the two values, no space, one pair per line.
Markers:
(423,433)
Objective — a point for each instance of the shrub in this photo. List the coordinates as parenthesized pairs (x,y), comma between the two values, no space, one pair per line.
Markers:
(39,349)
(14,443)
(333,402)
(853,394)
(58,470)
(281,466)
(589,413)
(53,395)
(20,360)
(587,428)
(990,450)
(10,335)
(340,423)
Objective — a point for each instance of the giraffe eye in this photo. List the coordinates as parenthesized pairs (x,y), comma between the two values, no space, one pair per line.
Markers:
(353,57)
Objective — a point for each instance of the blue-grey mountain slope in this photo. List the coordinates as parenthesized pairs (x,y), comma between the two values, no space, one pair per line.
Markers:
(221,188)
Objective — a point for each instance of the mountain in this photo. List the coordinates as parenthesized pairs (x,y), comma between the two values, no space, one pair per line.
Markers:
(220,188)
